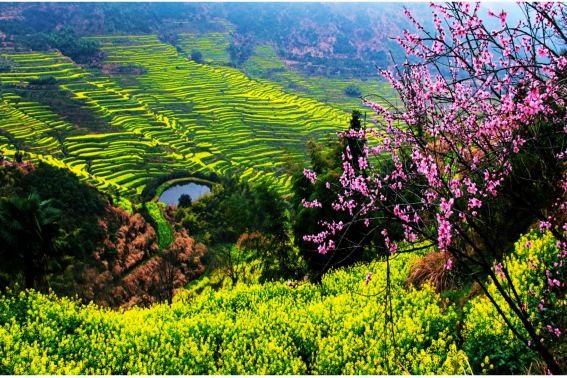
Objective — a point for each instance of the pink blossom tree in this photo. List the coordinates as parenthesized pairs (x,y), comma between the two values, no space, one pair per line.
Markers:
(470,155)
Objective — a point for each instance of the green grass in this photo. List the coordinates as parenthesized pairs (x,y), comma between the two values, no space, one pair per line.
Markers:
(124,204)
(164,231)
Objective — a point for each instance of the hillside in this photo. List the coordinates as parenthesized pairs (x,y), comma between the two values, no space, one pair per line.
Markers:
(179,114)
(118,100)
(351,38)
(106,254)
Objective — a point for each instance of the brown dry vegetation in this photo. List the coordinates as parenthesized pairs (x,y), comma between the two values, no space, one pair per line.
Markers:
(431,268)
(161,278)
(128,270)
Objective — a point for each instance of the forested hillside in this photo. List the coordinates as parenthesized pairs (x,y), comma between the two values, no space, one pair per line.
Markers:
(104,253)
(330,37)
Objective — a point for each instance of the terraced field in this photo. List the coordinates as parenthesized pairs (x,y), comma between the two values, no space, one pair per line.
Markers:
(265,66)
(213,46)
(233,121)
(264,61)
(32,124)
(332,91)
(177,115)
(123,160)
(33,66)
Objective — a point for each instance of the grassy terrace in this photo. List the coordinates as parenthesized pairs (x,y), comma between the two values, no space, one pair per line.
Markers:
(213,46)
(31,124)
(123,160)
(265,66)
(232,121)
(34,66)
(179,115)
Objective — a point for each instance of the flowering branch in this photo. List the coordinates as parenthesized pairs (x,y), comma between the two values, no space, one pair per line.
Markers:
(465,148)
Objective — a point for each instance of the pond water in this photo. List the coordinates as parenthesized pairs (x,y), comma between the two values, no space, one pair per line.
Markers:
(171,195)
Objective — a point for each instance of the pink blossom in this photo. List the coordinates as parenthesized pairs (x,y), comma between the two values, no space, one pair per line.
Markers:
(311,204)
(542,52)
(498,270)
(311,176)
(451,144)
(368,278)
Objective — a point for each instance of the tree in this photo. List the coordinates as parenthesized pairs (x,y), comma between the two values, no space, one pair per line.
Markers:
(170,37)
(311,194)
(43,80)
(28,230)
(4,67)
(197,56)
(291,163)
(355,146)
(318,161)
(160,278)
(467,153)
(353,90)
(184,201)
(65,40)
(167,277)
(272,221)
(178,264)
(230,262)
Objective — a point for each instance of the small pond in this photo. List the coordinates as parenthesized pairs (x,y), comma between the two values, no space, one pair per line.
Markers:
(171,195)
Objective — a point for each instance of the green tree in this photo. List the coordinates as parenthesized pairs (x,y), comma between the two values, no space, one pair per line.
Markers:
(326,162)
(353,90)
(4,67)
(355,123)
(272,220)
(356,145)
(28,231)
(184,200)
(65,40)
(43,80)
(196,56)
(318,162)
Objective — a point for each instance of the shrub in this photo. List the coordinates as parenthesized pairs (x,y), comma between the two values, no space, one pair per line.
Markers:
(485,333)
(197,56)
(353,90)
(184,201)
(43,80)
(431,268)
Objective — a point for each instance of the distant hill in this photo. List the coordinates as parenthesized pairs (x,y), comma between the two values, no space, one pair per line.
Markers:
(352,36)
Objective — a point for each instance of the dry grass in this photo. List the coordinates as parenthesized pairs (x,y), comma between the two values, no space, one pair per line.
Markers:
(431,268)
(537,367)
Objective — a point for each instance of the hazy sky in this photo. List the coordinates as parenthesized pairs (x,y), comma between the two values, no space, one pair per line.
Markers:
(514,11)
